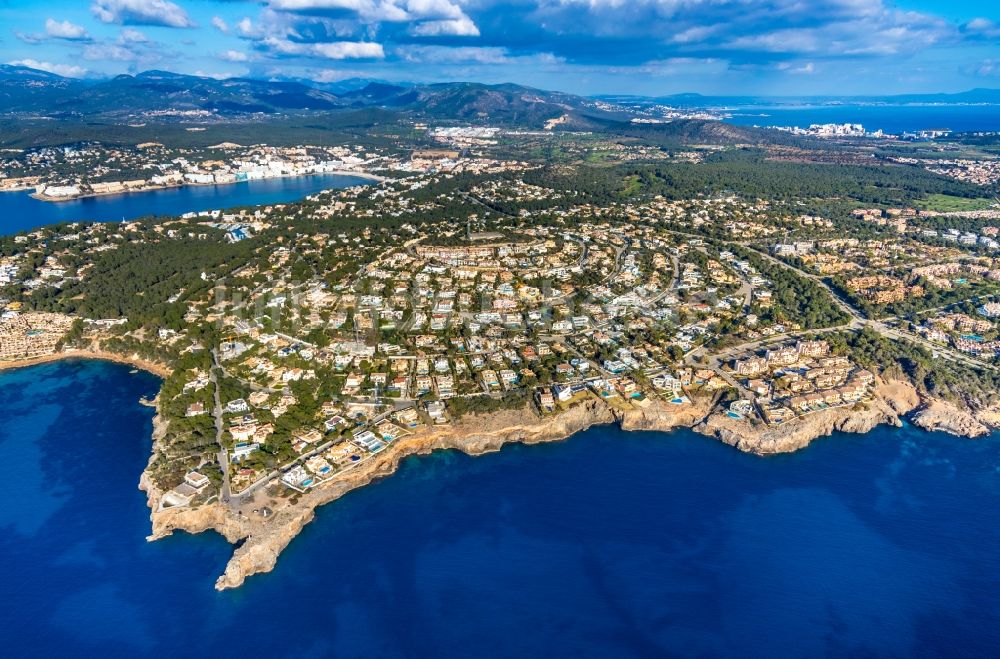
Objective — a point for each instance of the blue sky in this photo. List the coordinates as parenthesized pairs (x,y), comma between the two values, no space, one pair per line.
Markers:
(583,46)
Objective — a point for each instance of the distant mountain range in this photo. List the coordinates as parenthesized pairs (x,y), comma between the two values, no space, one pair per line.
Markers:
(162,97)
(27,91)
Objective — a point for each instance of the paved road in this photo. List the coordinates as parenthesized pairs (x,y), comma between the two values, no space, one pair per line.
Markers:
(881,327)
(219,430)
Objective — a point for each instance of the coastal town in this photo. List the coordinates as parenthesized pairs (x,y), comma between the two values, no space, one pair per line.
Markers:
(308,346)
(583,329)
(94,170)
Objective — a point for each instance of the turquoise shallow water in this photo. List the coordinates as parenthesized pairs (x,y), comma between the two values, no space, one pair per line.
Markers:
(610,544)
(22,213)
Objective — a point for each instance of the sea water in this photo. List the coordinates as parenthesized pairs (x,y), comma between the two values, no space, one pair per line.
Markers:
(22,212)
(610,544)
(893,119)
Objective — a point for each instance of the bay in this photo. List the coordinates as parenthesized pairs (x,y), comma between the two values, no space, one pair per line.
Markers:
(22,212)
(893,119)
(608,544)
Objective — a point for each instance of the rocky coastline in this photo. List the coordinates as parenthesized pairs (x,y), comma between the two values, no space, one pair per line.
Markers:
(156,368)
(261,541)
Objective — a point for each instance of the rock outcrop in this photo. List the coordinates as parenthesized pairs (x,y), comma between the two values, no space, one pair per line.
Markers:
(760,439)
(261,540)
(473,435)
(939,415)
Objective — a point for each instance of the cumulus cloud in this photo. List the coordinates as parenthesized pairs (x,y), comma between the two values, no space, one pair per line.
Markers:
(65,70)
(657,38)
(329,50)
(110,52)
(234,56)
(807,68)
(216,75)
(130,46)
(425,54)
(741,28)
(246,27)
(141,12)
(458,27)
(446,55)
(426,18)
(988,68)
(624,33)
(132,36)
(65,30)
(982,28)
(349,50)
(29,38)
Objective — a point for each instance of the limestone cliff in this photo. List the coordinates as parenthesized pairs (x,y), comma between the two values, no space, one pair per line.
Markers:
(756,437)
(947,417)
(263,539)
(472,435)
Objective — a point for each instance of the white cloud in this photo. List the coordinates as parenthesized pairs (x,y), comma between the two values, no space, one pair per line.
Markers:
(429,17)
(886,35)
(109,51)
(234,56)
(131,35)
(245,27)
(220,75)
(66,70)
(456,55)
(331,50)
(982,27)
(448,55)
(673,66)
(349,50)
(459,27)
(141,12)
(319,5)
(694,34)
(328,75)
(130,46)
(806,68)
(988,67)
(388,11)
(220,24)
(29,38)
(65,30)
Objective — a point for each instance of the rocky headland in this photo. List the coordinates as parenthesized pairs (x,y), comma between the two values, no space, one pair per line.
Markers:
(259,541)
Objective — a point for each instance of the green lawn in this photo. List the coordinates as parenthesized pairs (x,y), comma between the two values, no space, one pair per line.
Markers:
(946,203)
(633,185)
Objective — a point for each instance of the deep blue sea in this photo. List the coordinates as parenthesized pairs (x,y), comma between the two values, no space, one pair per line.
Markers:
(22,213)
(610,544)
(894,119)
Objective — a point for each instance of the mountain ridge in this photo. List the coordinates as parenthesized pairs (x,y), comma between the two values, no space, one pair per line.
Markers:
(28,91)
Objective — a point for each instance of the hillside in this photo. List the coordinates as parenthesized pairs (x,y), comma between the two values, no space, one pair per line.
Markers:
(27,91)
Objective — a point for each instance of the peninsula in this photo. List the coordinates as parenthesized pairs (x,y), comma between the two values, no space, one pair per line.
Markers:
(655,276)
